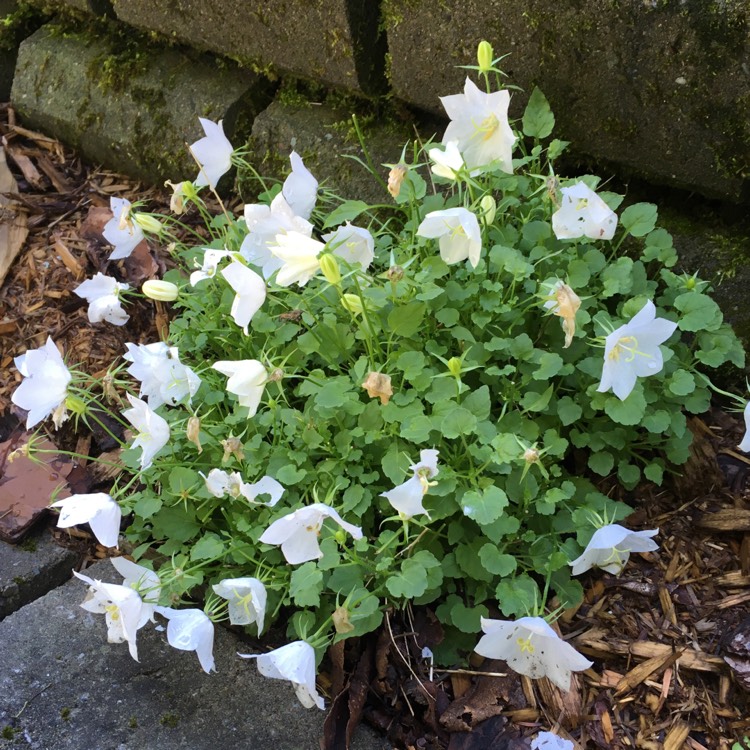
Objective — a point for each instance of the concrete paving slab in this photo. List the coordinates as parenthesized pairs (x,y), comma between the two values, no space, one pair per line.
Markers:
(29,570)
(63,687)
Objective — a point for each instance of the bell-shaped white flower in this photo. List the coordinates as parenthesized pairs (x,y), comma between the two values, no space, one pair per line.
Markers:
(583,214)
(191,630)
(213,153)
(632,351)
(153,430)
(610,547)
(98,510)
(250,292)
(121,231)
(209,266)
(247,379)
(300,189)
(45,384)
(294,662)
(745,444)
(299,257)
(123,609)
(459,233)
(263,224)
(247,600)
(479,125)
(297,532)
(352,244)
(532,648)
(141,579)
(407,497)
(447,163)
(164,379)
(103,295)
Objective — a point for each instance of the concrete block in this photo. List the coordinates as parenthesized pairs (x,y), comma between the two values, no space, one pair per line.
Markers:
(63,686)
(658,87)
(335,41)
(95,7)
(324,136)
(131,110)
(31,569)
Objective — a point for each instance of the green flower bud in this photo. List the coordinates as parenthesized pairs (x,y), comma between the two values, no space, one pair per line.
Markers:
(330,268)
(163,291)
(455,366)
(352,303)
(485,54)
(75,404)
(690,283)
(148,223)
(489,209)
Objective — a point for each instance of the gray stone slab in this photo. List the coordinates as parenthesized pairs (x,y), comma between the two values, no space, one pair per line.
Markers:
(131,111)
(325,138)
(338,42)
(659,87)
(95,7)
(63,687)
(31,569)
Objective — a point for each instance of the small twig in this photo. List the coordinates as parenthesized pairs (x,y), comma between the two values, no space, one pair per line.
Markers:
(474,672)
(408,666)
(33,697)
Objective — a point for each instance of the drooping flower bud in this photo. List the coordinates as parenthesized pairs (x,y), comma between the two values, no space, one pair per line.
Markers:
(489,209)
(163,291)
(275,375)
(148,223)
(330,268)
(395,273)
(485,54)
(352,303)
(341,621)
(531,455)
(232,447)
(181,193)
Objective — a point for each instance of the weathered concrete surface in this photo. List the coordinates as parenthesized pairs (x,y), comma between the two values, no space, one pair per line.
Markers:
(63,687)
(31,569)
(324,136)
(661,86)
(132,110)
(334,41)
(96,7)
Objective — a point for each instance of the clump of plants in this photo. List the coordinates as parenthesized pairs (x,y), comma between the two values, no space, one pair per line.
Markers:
(364,407)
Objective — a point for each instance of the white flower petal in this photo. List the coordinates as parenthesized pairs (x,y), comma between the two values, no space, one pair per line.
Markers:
(213,153)
(99,510)
(191,630)
(300,188)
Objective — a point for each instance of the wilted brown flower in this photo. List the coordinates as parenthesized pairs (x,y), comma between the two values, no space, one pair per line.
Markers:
(395,178)
(378,384)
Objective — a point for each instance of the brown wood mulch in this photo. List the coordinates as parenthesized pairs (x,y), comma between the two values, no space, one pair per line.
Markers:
(660,634)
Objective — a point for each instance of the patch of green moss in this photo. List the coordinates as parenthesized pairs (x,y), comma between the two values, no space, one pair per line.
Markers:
(8,732)
(65,714)
(28,545)
(19,24)
(133,722)
(170,720)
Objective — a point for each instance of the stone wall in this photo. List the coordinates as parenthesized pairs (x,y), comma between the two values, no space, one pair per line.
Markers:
(660,88)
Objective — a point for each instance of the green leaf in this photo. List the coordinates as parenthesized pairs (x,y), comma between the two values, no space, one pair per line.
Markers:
(639,219)
(510,260)
(208,547)
(629,475)
(411,364)
(518,596)
(538,120)
(699,312)
(657,422)
(486,506)
(496,562)
(411,581)
(681,383)
(478,402)
(533,401)
(549,365)
(602,463)
(568,411)
(627,412)
(467,557)
(416,429)
(290,474)
(306,584)
(654,473)
(146,505)
(347,211)
(458,421)
(617,277)
(407,319)
(468,619)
